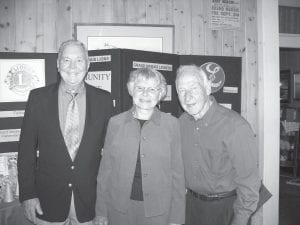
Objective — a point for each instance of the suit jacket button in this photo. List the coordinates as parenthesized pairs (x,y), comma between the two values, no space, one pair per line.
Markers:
(70,185)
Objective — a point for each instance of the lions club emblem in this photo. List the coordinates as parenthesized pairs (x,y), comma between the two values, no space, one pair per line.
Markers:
(21,78)
(215,74)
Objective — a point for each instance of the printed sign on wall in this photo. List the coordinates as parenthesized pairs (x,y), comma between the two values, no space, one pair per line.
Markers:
(225,14)
(99,79)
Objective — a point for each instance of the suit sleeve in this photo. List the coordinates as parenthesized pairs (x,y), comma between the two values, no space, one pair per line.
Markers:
(27,151)
(177,212)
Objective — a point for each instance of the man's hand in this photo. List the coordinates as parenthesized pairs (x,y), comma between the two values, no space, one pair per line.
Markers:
(31,206)
(100,220)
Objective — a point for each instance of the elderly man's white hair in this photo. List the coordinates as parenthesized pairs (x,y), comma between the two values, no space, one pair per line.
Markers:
(196,71)
(72,42)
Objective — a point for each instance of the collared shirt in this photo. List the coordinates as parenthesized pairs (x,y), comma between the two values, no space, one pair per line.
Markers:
(64,99)
(220,154)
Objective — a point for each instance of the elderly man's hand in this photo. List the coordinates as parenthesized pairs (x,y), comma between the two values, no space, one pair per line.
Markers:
(31,206)
(100,220)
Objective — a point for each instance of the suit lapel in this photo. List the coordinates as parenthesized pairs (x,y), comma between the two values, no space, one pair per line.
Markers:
(52,107)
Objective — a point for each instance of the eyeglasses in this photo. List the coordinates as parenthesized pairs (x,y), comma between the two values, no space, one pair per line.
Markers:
(148,90)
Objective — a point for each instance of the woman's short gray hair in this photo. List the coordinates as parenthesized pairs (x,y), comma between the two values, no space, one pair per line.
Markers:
(147,73)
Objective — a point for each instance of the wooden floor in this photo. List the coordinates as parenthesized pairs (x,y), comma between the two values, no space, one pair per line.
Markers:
(289,200)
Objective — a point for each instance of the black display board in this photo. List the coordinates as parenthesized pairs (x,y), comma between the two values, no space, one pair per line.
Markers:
(51,76)
(123,61)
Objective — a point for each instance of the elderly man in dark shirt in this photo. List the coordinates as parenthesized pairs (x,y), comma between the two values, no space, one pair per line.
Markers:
(219,154)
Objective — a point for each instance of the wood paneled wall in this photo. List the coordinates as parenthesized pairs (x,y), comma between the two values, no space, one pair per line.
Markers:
(41,25)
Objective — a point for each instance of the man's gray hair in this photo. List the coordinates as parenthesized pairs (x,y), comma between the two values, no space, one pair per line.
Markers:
(72,42)
(147,73)
(194,70)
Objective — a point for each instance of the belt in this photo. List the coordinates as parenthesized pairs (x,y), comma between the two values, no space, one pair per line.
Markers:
(212,197)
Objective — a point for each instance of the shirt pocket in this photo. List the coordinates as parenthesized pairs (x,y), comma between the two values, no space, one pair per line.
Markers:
(216,159)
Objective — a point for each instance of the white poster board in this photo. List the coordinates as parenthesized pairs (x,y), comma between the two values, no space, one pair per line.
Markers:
(157,38)
(19,76)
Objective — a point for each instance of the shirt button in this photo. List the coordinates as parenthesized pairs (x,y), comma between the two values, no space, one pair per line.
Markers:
(70,185)
(197,128)
(144,138)
(72,167)
(142,155)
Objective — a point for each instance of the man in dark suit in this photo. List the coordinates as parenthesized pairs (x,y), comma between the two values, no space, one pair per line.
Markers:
(61,139)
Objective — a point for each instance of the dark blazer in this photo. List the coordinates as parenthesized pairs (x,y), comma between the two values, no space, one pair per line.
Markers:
(52,176)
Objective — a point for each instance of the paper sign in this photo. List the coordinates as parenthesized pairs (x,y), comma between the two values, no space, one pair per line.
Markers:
(8,114)
(226,105)
(4,165)
(10,135)
(233,90)
(100,58)
(156,66)
(169,94)
(225,14)
(99,79)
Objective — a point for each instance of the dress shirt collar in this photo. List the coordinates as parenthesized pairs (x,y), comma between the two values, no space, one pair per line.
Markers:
(79,90)
(155,117)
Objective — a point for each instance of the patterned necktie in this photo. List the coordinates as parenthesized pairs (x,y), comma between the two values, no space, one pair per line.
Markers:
(71,132)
